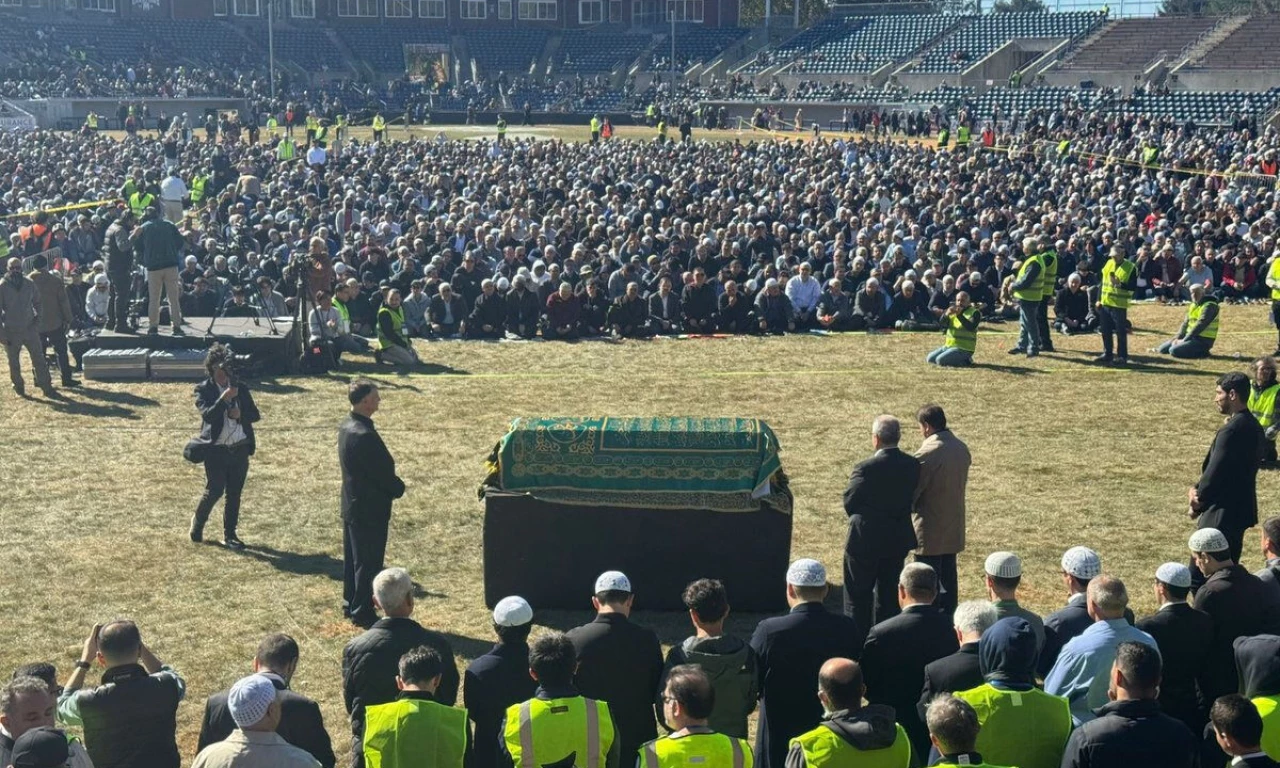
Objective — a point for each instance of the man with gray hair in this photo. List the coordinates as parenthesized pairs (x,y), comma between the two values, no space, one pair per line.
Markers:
(961,670)
(1081,673)
(953,731)
(371,660)
(878,502)
(1198,331)
(27,703)
(898,649)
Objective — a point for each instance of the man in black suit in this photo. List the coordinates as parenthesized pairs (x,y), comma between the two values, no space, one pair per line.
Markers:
(1226,496)
(371,660)
(664,309)
(878,503)
(499,679)
(962,670)
(369,485)
(619,662)
(897,650)
(1238,728)
(227,414)
(791,650)
(301,723)
(1184,636)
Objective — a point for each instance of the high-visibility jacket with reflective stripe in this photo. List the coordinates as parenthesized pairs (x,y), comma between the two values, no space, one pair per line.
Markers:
(696,750)
(1028,729)
(1269,710)
(1273,274)
(1262,404)
(959,336)
(1048,274)
(197,189)
(1117,296)
(285,150)
(397,325)
(962,136)
(540,732)
(378,123)
(1033,291)
(411,732)
(1193,319)
(824,748)
(140,201)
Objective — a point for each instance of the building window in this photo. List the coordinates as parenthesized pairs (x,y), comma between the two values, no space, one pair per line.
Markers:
(473,10)
(684,10)
(302,9)
(590,11)
(106,6)
(431,9)
(504,10)
(10,3)
(615,11)
(219,7)
(538,10)
(244,7)
(362,8)
(399,9)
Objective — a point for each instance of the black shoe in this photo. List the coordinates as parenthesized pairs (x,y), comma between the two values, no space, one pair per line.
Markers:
(233,542)
(1017,351)
(1122,360)
(49,391)
(196,531)
(1103,358)
(20,389)
(363,621)
(377,357)
(1048,348)
(153,331)
(179,332)
(1033,353)
(70,383)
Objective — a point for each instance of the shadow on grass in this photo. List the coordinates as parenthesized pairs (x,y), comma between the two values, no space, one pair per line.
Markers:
(274,387)
(62,404)
(468,647)
(119,398)
(1017,370)
(1142,364)
(317,564)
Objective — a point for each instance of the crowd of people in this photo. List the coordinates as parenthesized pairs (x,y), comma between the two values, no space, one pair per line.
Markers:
(905,675)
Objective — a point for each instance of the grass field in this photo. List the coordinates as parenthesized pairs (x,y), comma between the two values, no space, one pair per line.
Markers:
(97,497)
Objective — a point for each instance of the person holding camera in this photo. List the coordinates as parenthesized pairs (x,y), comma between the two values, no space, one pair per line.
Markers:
(228,413)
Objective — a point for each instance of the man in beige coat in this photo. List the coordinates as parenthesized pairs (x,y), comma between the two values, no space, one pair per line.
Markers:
(20,327)
(55,313)
(938,511)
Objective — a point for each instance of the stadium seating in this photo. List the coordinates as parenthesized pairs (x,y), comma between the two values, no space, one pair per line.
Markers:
(595,52)
(1134,43)
(1251,46)
(305,45)
(984,34)
(382,45)
(695,44)
(872,43)
(512,51)
(1206,107)
(807,40)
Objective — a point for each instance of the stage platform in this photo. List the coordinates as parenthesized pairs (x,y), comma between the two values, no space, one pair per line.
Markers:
(271,345)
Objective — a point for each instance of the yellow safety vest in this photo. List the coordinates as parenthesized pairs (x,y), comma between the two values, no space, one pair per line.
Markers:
(1034,291)
(344,316)
(378,123)
(397,323)
(944,136)
(1048,274)
(197,189)
(1024,728)
(272,123)
(824,748)
(410,732)
(595,125)
(540,732)
(1114,296)
(93,121)
(962,136)
(1269,710)
(1149,154)
(1193,316)
(1262,404)
(662,129)
(697,750)
(285,150)
(1273,274)
(140,202)
(960,337)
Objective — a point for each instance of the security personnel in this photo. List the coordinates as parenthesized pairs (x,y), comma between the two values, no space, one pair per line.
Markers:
(1028,288)
(1273,282)
(322,133)
(140,201)
(961,321)
(286,149)
(415,729)
(1119,276)
(37,236)
(944,136)
(91,121)
(1049,265)
(340,128)
(199,184)
(962,136)
(650,114)
(558,725)
(1150,152)
(1199,330)
(850,735)
(988,137)
(1262,402)
(502,128)
(687,701)
(273,126)
(379,127)
(662,131)
(595,129)
(313,124)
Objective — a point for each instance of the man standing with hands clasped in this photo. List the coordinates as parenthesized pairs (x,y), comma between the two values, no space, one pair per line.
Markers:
(369,486)
(938,515)
(1226,496)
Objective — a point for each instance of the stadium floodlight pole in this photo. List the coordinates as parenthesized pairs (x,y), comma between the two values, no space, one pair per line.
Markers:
(271,47)
(671,11)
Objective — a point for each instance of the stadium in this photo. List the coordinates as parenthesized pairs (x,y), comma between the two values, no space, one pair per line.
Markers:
(753,219)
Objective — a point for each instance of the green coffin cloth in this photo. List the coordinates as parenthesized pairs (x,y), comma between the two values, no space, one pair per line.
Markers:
(723,465)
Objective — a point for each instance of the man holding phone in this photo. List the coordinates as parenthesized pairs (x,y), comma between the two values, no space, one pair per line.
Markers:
(227,413)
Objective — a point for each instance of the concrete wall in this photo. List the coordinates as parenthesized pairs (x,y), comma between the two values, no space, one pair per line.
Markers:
(1072,78)
(1191,79)
(48,112)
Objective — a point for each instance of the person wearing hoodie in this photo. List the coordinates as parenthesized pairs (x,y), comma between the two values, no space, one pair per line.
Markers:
(1080,673)
(727,660)
(1258,669)
(688,698)
(1130,729)
(1184,636)
(1021,725)
(850,733)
